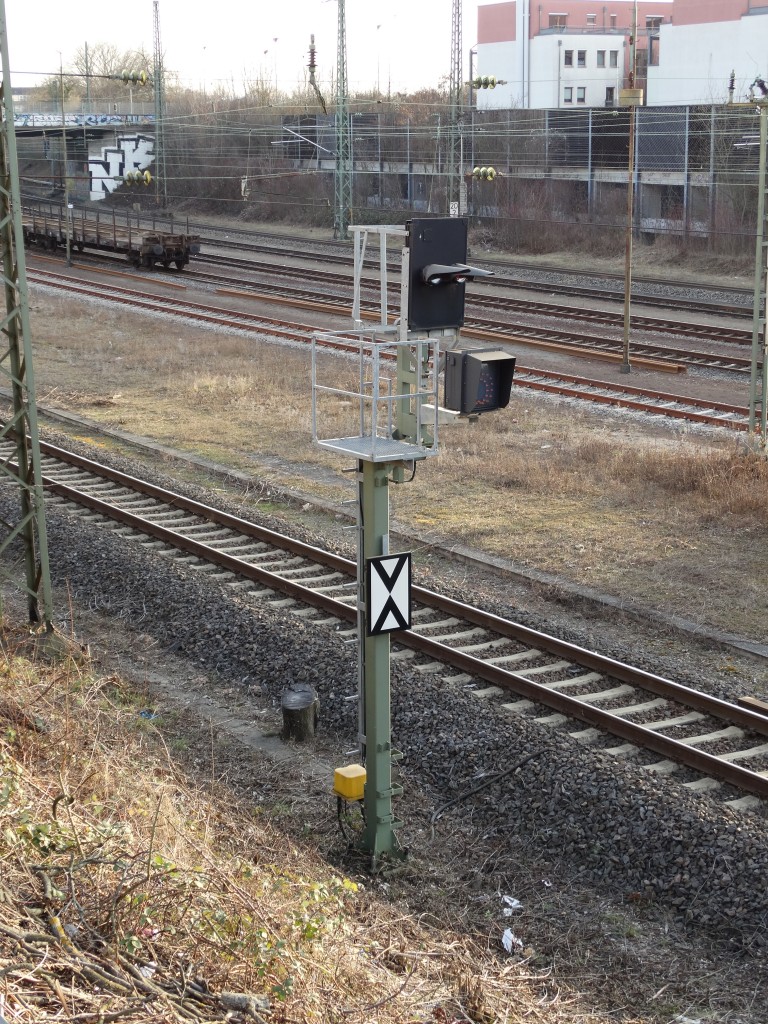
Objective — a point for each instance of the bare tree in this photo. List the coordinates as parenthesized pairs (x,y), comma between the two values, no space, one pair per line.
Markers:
(103,63)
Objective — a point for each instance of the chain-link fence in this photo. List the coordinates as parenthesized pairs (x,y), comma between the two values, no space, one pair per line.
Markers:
(553,178)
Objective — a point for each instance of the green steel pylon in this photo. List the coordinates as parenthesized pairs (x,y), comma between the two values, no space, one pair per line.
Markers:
(19,430)
(456,125)
(343,173)
(158,78)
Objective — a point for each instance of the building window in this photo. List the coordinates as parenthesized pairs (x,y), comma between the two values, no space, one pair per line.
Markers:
(613,21)
(582,58)
(558,20)
(568,94)
(581,94)
(568,58)
(614,58)
(591,20)
(610,95)
(601,58)
(653,23)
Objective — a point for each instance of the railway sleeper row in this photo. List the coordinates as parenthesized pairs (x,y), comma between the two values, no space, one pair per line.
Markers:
(487,655)
(670,405)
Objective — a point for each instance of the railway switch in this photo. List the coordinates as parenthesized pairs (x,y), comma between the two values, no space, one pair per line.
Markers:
(478,381)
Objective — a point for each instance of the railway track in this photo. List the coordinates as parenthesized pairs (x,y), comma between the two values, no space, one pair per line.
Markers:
(528,333)
(477,301)
(522,275)
(626,711)
(564,280)
(569,386)
(569,340)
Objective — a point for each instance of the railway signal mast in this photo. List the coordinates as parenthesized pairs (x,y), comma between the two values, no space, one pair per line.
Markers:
(630,97)
(385,413)
(20,429)
(758,385)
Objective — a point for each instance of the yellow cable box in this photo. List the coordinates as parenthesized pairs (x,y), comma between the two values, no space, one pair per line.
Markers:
(349,782)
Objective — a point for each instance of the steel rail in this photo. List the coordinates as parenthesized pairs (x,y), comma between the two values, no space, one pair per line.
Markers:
(220,238)
(550,382)
(505,278)
(675,750)
(733,417)
(476,301)
(518,683)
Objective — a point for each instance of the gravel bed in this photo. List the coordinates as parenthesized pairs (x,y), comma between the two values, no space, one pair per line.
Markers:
(611,287)
(623,635)
(518,273)
(586,817)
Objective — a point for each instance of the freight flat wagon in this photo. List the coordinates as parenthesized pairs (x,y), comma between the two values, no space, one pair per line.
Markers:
(45,226)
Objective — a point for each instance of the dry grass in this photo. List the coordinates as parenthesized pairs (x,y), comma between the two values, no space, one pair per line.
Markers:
(160,870)
(679,522)
(130,893)
(157,871)
(131,890)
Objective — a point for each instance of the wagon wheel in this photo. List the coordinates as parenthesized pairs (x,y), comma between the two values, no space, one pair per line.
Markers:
(180,264)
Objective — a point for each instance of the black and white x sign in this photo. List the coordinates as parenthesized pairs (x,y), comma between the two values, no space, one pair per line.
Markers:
(388,593)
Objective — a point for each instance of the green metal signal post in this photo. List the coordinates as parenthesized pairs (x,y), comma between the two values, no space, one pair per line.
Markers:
(387,410)
(758,387)
(384,410)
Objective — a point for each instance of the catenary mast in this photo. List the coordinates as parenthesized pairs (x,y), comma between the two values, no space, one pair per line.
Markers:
(456,125)
(159,83)
(20,427)
(343,173)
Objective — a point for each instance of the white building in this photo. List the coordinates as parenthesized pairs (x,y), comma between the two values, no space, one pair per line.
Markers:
(700,48)
(572,53)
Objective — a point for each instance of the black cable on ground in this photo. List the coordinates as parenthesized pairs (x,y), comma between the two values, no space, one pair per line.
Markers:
(484,785)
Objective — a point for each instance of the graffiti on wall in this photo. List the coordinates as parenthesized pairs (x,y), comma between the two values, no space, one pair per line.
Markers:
(130,153)
(79,120)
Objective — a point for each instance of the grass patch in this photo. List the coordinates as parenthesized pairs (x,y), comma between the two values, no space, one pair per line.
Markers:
(678,521)
(129,892)
(156,872)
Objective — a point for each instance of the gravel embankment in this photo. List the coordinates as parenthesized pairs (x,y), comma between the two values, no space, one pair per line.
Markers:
(590,818)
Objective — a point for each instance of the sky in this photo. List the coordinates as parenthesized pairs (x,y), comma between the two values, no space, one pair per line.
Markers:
(396,46)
